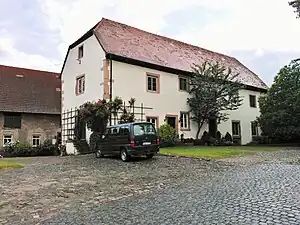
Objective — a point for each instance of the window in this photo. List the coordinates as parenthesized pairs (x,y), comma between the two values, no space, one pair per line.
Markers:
(36,140)
(7,139)
(80,85)
(236,128)
(143,128)
(80,52)
(124,130)
(252,101)
(184,121)
(183,84)
(12,120)
(254,128)
(153,120)
(153,83)
(115,130)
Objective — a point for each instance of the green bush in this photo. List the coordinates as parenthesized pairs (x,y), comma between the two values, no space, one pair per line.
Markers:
(25,149)
(95,140)
(18,149)
(167,135)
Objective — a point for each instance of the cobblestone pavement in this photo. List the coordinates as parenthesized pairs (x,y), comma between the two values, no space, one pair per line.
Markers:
(258,189)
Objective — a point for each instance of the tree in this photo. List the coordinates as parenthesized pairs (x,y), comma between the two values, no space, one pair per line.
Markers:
(213,91)
(96,116)
(296,5)
(280,107)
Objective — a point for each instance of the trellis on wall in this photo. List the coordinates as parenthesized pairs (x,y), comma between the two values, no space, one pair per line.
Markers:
(69,119)
(68,124)
(139,112)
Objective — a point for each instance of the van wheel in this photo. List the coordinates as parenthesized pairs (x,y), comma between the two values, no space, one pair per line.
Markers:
(99,153)
(124,155)
(150,156)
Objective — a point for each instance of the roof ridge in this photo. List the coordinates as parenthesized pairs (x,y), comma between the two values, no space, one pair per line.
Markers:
(164,37)
(23,68)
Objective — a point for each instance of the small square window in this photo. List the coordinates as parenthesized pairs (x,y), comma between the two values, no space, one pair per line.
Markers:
(252,99)
(184,121)
(80,52)
(183,84)
(153,83)
(80,85)
(36,140)
(7,139)
(153,120)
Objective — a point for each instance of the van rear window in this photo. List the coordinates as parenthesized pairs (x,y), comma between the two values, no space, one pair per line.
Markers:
(143,128)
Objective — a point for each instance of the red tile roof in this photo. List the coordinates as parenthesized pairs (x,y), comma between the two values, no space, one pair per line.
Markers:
(29,91)
(126,41)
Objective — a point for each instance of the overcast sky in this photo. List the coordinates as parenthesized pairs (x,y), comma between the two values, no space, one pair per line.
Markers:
(264,35)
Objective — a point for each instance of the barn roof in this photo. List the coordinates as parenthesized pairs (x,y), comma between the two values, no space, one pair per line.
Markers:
(29,91)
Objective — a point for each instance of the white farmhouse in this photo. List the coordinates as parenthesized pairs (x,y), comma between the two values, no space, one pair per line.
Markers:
(114,59)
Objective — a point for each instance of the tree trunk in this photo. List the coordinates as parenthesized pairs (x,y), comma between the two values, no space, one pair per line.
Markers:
(199,129)
(198,132)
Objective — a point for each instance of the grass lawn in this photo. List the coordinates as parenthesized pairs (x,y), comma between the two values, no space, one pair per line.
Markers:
(215,152)
(5,164)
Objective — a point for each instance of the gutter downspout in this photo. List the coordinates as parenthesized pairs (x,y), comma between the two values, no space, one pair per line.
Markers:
(110,85)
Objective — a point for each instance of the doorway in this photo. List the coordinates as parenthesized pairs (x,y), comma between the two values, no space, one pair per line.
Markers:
(172,121)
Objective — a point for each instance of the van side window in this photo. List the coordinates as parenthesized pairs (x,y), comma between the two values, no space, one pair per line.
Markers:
(107,131)
(115,130)
(124,130)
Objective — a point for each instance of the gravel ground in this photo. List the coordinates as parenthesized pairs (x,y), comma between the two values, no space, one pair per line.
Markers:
(257,189)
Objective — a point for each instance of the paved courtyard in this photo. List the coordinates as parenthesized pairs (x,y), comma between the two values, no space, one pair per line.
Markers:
(259,189)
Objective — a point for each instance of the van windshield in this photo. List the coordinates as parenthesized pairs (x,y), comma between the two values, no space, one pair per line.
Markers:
(143,128)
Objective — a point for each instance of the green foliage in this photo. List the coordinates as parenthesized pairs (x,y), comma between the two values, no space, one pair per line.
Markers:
(127,117)
(167,133)
(96,114)
(296,5)
(213,90)
(95,138)
(25,149)
(18,149)
(280,108)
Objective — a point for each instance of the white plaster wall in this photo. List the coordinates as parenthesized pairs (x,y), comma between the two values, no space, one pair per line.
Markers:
(245,114)
(130,81)
(91,65)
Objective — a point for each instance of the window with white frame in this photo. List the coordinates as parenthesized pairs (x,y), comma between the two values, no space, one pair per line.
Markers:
(36,140)
(80,85)
(184,120)
(254,128)
(153,83)
(236,128)
(152,120)
(7,139)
